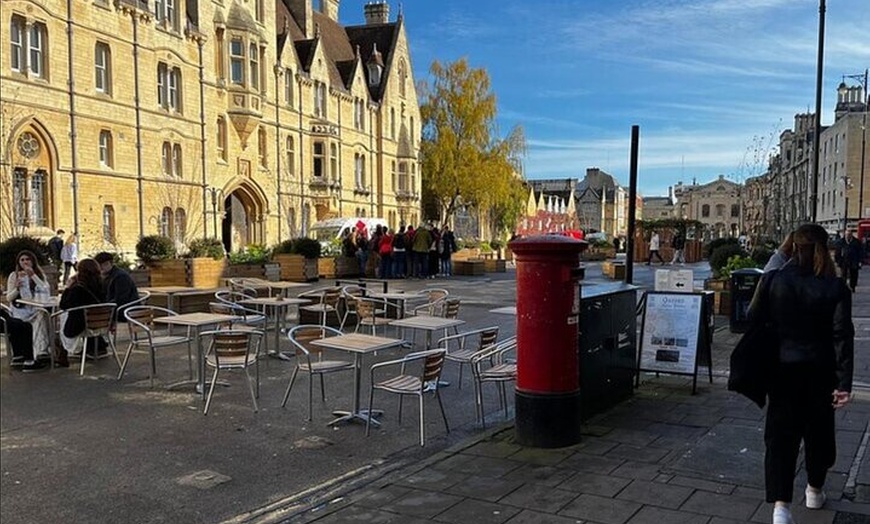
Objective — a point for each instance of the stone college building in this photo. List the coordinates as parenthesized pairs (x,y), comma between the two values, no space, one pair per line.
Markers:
(244,120)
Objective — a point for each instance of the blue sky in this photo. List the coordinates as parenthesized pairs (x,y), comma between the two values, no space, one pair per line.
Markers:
(711,83)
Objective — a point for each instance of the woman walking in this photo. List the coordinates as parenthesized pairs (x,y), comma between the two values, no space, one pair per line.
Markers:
(69,254)
(809,311)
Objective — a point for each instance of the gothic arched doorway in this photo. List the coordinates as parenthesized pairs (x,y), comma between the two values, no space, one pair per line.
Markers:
(28,188)
(244,213)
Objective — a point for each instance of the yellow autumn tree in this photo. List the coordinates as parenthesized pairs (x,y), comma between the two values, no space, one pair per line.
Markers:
(465,162)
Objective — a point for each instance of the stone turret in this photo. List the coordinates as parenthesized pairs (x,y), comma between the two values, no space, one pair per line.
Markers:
(377,12)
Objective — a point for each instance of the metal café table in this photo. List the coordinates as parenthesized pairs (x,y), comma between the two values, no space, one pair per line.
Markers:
(169,292)
(282,287)
(395,297)
(428,324)
(358,344)
(197,321)
(279,306)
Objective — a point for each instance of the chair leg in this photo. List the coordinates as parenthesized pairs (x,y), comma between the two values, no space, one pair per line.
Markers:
(126,359)
(503,399)
(210,391)
(84,355)
(111,342)
(290,386)
(322,389)
(422,424)
(189,361)
(310,389)
(480,413)
(371,410)
(441,405)
(343,320)
(251,388)
(460,374)
(401,398)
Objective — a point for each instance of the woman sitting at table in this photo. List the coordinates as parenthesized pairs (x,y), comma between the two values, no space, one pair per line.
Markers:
(84,289)
(28,282)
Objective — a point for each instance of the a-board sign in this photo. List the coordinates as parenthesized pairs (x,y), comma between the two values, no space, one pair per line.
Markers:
(679,280)
(670,333)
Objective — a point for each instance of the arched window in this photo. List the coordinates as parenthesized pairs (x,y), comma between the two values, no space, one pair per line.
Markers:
(413,187)
(222,138)
(705,211)
(16,38)
(319,160)
(37,46)
(403,78)
(176,161)
(403,177)
(180,225)
(291,156)
(291,222)
(333,162)
(362,172)
(103,68)
(288,87)
(166,158)
(109,224)
(393,123)
(166,223)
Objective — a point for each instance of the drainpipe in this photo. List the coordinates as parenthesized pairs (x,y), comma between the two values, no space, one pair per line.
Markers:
(202,138)
(138,123)
(373,171)
(72,119)
(278,145)
(301,149)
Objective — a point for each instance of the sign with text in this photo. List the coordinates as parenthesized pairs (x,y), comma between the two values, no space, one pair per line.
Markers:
(679,280)
(670,333)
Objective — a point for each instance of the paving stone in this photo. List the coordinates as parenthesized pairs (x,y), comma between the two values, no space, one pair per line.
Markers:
(528,516)
(375,498)
(484,488)
(480,466)
(655,494)
(596,446)
(600,509)
(592,463)
(422,503)
(595,430)
(704,421)
(544,457)
(720,520)
(706,485)
(633,437)
(544,475)
(432,479)
(645,454)
(637,470)
(361,514)
(728,506)
(652,515)
(478,512)
(595,484)
(493,448)
(731,454)
(540,498)
(676,430)
(204,480)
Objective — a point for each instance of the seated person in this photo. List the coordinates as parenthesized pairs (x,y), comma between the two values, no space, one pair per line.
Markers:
(117,283)
(20,335)
(84,289)
(28,282)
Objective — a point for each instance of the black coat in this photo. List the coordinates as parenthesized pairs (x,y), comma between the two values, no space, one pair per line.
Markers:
(120,289)
(76,296)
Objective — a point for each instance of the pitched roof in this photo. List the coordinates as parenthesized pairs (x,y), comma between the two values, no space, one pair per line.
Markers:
(367,37)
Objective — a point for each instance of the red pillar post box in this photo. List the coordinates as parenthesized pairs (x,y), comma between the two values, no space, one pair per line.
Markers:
(548,316)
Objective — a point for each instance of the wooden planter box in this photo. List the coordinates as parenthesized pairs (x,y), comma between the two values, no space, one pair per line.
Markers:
(205,273)
(142,277)
(722,302)
(614,270)
(268,271)
(346,267)
(717,284)
(326,267)
(466,254)
(494,266)
(292,266)
(168,273)
(473,267)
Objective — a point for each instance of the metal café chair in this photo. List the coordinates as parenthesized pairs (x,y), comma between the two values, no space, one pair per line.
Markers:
(494,364)
(371,312)
(431,364)
(145,335)
(231,350)
(461,351)
(99,322)
(143,298)
(328,298)
(433,302)
(350,293)
(311,359)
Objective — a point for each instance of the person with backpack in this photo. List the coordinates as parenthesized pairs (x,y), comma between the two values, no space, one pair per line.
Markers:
(679,245)
(362,252)
(420,247)
(385,249)
(399,258)
(435,248)
(447,248)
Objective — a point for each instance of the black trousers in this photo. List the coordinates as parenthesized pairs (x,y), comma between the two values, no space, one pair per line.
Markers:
(850,275)
(800,408)
(654,253)
(20,336)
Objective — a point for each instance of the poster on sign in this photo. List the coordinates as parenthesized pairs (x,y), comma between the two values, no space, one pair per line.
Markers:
(670,333)
(679,280)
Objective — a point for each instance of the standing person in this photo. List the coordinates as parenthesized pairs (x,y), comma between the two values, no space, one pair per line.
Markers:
(782,255)
(28,282)
(435,249)
(420,247)
(654,248)
(616,244)
(69,254)
(852,254)
(84,289)
(448,242)
(385,250)
(55,245)
(362,252)
(809,311)
(679,244)
(374,249)
(409,254)
(117,283)
(399,259)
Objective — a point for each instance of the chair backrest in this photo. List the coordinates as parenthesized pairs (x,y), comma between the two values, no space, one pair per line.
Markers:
(302,336)
(488,337)
(331,296)
(221,308)
(432,366)
(231,348)
(367,308)
(99,318)
(350,294)
(234,297)
(451,308)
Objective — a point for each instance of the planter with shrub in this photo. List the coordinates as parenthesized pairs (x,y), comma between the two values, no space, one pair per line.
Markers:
(206,263)
(253,261)
(158,255)
(292,265)
(310,251)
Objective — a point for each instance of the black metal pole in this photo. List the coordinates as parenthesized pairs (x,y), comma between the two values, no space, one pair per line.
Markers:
(632,198)
(818,132)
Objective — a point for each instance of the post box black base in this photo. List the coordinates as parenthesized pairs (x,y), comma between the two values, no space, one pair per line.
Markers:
(548,420)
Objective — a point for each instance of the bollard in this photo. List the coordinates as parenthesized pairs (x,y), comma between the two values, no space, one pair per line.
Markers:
(548,313)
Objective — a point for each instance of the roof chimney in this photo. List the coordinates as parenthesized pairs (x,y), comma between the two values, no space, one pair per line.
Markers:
(377,12)
(330,9)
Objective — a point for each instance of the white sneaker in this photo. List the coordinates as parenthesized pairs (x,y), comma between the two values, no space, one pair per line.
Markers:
(782,515)
(815,499)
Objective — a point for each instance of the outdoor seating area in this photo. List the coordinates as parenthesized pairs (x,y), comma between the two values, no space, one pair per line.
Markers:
(312,333)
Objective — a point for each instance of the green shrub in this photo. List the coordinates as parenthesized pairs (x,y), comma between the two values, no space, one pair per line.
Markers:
(283,248)
(253,254)
(155,247)
(722,254)
(737,262)
(333,248)
(10,248)
(761,255)
(472,243)
(460,244)
(485,247)
(206,248)
(496,244)
(711,246)
(307,247)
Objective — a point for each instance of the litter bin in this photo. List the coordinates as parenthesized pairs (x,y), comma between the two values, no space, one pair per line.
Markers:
(743,284)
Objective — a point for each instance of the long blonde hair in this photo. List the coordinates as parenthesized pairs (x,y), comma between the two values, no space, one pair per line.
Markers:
(811,250)
(71,239)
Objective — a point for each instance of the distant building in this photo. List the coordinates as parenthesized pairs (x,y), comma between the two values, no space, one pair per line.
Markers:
(716,204)
(660,207)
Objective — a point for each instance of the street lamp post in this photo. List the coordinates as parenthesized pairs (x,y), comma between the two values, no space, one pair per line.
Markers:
(818,120)
(215,193)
